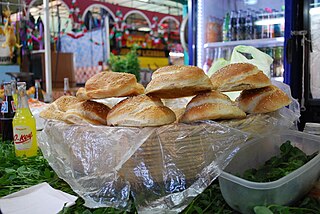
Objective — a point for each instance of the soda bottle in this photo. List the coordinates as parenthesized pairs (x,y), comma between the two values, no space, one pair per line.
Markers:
(277,63)
(233,26)
(282,23)
(38,91)
(253,21)
(241,25)
(24,126)
(66,87)
(14,92)
(208,61)
(7,113)
(276,26)
(225,28)
(249,34)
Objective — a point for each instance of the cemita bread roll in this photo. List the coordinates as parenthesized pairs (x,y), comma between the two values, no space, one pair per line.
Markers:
(110,84)
(178,81)
(238,77)
(140,111)
(57,109)
(87,112)
(263,100)
(211,106)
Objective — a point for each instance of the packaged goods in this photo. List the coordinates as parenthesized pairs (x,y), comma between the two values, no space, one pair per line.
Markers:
(8,110)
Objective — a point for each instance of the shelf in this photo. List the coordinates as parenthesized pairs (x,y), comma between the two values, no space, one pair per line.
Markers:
(270,42)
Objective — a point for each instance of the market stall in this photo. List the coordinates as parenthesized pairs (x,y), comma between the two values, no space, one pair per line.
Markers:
(176,140)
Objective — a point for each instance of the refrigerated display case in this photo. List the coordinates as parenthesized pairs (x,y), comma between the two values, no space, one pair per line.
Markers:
(300,44)
(217,26)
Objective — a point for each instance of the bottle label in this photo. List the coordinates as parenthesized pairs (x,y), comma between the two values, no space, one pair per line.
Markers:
(22,137)
(4,107)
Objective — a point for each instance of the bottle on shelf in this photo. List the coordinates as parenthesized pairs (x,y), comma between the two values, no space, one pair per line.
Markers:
(8,110)
(38,91)
(213,29)
(278,62)
(233,26)
(277,26)
(225,28)
(249,29)
(258,27)
(24,126)
(241,25)
(66,87)
(208,61)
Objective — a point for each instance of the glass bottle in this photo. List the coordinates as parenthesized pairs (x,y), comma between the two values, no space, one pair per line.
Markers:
(7,113)
(66,87)
(233,26)
(24,126)
(38,91)
(14,91)
(225,28)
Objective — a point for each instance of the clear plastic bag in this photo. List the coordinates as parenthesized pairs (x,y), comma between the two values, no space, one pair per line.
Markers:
(163,168)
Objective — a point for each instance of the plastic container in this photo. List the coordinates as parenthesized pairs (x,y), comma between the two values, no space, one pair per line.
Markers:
(243,195)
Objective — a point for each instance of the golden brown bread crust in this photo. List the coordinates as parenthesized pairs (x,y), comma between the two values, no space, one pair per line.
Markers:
(140,111)
(211,106)
(82,94)
(87,112)
(110,84)
(178,81)
(239,76)
(57,109)
(263,100)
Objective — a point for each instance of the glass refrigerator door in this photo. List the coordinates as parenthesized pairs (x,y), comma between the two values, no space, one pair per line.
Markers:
(224,24)
(315,54)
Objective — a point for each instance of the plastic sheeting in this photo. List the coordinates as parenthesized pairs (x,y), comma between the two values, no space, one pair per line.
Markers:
(163,168)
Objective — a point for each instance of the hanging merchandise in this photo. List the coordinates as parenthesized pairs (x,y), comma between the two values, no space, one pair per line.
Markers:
(78,27)
(155,31)
(96,43)
(11,40)
(119,27)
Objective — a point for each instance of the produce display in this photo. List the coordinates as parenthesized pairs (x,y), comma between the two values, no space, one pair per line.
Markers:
(144,148)
(290,159)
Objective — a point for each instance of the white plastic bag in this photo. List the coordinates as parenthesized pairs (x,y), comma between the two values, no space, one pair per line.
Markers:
(259,59)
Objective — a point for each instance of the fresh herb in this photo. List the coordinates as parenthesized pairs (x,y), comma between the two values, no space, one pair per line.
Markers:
(128,63)
(290,159)
(210,201)
(306,205)
(17,173)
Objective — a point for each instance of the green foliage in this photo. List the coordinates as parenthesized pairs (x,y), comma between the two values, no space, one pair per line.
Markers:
(210,201)
(290,159)
(306,205)
(17,173)
(128,63)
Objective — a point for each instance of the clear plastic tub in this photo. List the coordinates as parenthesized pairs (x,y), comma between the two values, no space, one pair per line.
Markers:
(243,195)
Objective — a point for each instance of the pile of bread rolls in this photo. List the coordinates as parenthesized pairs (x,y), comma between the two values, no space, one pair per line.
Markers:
(144,107)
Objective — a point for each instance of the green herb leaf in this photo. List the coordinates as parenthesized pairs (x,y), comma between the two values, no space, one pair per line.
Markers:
(290,159)
(262,210)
